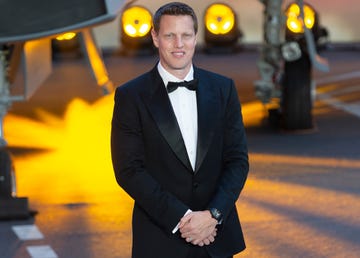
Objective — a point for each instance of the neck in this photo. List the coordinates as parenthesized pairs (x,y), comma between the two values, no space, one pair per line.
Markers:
(178,73)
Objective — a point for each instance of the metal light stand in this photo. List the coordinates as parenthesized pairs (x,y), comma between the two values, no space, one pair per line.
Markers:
(11,207)
(270,55)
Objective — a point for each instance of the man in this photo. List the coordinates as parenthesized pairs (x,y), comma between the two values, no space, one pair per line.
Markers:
(180,153)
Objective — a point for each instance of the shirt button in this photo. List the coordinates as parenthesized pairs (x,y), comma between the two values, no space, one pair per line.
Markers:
(195,184)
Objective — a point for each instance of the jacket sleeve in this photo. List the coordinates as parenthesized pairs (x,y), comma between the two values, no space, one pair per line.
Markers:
(127,151)
(235,165)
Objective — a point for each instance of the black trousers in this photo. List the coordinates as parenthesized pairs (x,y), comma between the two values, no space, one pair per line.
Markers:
(199,252)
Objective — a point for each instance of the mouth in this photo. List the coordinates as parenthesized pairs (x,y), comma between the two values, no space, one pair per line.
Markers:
(178,54)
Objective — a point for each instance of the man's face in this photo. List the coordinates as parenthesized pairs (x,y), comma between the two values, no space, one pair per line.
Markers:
(176,42)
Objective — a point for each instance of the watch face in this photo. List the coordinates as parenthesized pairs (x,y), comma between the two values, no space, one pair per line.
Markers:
(215,213)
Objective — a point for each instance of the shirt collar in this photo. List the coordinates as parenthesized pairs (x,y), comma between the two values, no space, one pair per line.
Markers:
(167,77)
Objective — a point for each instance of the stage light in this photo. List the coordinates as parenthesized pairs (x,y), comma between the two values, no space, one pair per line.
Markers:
(136,24)
(66,44)
(66,36)
(221,28)
(219,19)
(295,24)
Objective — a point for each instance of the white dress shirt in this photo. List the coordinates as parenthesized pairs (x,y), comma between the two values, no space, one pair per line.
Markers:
(184,104)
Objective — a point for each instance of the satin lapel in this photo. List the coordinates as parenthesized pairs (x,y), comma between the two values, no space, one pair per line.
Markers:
(161,110)
(207,117)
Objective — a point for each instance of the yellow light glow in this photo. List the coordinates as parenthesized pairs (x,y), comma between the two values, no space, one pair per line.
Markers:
(144,28)
(76,147)
(226,26)
(213,26)
(130,30)
(66,36)
(73,166)
(219,19)
(136,21)
(95,59)
(294,22)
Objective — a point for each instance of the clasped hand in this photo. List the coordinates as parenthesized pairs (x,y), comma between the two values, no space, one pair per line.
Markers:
(198,228)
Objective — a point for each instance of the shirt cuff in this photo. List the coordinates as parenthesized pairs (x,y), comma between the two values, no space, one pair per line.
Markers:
(177,226)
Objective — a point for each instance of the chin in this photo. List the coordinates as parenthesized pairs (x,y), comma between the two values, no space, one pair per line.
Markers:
(180,66)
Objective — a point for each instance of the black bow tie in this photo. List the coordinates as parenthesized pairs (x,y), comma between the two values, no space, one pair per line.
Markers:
(190,85)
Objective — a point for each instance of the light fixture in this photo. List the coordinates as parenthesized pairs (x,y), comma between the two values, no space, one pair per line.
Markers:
(66,44)
(221,28)
(295,23)
(66,36)
(136,24)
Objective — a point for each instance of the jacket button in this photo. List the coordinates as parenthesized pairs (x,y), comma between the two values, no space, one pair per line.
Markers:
(195,185)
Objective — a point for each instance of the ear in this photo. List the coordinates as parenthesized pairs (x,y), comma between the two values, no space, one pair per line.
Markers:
(155,38)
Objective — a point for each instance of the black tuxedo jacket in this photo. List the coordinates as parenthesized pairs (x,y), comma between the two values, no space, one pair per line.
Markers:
(151,163)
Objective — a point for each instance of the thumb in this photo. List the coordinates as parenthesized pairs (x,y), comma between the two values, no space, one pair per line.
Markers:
(184,220)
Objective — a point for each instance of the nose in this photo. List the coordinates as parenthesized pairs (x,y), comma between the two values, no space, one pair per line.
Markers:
(179,42)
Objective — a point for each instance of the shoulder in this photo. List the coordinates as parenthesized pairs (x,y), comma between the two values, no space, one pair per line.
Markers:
(202,73)
(142,83)
(215,82)
(128,96)
(136,84)
(213,79)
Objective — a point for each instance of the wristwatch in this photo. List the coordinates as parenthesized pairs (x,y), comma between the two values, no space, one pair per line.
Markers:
(216,214)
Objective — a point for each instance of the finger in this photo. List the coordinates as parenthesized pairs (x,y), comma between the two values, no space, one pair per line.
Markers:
(185,235)
(197,242)
(210,239)
(201,244)
(206,242)
(183,221)
(186,230)
(185,227)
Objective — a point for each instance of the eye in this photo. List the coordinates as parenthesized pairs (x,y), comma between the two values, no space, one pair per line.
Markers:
(169,36)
